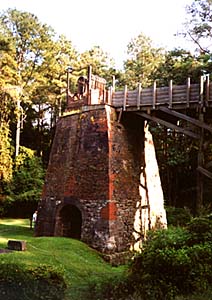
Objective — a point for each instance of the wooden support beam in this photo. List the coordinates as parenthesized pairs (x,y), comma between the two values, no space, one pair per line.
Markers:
(186,118)
(200,163)
(207,96)
(120,115)
(169,125)
(204,172)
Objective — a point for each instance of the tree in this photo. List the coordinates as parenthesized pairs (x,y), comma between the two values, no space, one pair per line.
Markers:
(49,95)
(27,38)
(8,95)
(198,28)
(177,160)
(23,192)
(143,61)
(41,59)
(102,64)
(179,64)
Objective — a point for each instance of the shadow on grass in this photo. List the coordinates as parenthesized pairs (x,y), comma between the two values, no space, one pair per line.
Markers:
(14,232)
(17,230)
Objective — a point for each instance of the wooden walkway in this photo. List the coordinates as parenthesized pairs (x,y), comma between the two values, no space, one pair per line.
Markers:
(163,105)
(173,96)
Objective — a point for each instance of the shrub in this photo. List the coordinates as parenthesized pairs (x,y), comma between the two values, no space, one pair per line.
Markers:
(22,192)
(18,282)
(177,216)
(200,230)
(174,262)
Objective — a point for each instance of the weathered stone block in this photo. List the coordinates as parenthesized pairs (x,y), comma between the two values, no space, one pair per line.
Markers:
(16,245)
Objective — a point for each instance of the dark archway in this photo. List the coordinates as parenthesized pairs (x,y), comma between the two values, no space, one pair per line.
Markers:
(71,221)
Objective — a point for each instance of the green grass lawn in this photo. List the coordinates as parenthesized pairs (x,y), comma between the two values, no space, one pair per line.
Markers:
(80,265)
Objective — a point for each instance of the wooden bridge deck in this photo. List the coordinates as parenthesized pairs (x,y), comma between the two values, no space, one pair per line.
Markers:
(173,96)
(164,105)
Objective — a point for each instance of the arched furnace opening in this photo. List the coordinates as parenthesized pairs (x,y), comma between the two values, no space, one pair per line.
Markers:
(71,221)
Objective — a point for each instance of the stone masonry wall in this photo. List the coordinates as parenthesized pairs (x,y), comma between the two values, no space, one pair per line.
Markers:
(77,173)
(95,165)
(125,139)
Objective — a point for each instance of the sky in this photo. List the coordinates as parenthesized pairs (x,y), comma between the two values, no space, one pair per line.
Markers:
(110,24)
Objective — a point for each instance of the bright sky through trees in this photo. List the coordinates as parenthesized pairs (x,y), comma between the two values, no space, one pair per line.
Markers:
(110,24)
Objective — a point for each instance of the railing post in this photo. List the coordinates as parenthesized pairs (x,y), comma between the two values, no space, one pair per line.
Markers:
(188,89)
(154,94)
(207,90)
(139,96)
(125,97)
(114,83)
(89,85)
(110,96)
(201,95)
(170,93)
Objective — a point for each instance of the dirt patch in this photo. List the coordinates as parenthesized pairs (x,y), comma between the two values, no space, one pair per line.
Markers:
(5,251)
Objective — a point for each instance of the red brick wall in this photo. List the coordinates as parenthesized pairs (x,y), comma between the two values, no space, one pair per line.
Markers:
(95,165)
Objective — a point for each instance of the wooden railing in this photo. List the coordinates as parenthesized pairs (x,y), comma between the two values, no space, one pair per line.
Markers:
(173,96)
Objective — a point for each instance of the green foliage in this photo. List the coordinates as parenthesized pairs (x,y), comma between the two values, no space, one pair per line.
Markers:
(177,159)
(118,288)
(180,64)
(200,230)
(5,154)
(167,267)
(177,216)
(143,61)
(174,261)
(56,261)
(25,185)
(100,61)
(198,27)
(43,282)
(27,177)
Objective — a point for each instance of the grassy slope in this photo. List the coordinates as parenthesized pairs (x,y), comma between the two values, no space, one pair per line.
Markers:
(80,264)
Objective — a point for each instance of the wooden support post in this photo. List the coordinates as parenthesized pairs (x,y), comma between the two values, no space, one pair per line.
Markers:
(207,96)
(200,159)
(125,97)
(188,90)
(170,93)
(114,84)
(110,96)
(139,96)
(89,85)
(201,91)
(200,163)
(154,95)
(120,115)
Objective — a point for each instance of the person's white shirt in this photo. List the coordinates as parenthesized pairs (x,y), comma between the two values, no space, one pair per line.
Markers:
(34,217)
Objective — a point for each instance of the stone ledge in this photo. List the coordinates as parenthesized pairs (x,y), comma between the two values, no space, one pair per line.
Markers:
(16,245)
(119,258)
